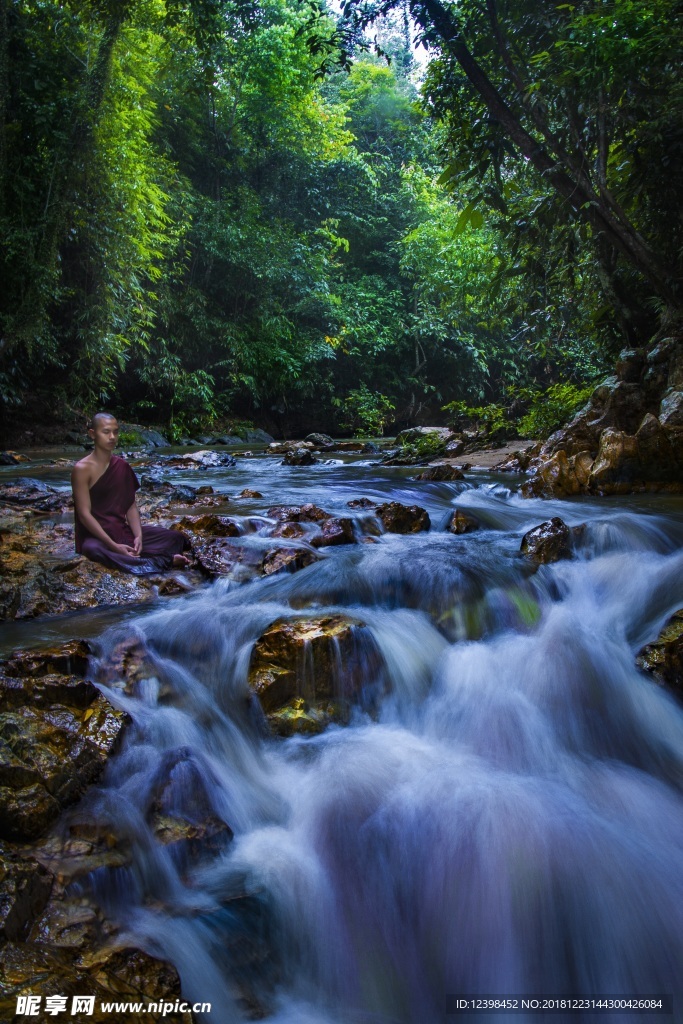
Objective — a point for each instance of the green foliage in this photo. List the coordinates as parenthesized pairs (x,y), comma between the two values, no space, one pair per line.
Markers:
(428,446)
(197,226)
(493,419)
(365,412)
(129,439)
(552,408)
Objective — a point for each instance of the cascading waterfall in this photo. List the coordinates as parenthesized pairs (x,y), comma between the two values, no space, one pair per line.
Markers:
(508,819)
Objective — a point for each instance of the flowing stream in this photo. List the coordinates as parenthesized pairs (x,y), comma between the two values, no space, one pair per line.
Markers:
(508,820)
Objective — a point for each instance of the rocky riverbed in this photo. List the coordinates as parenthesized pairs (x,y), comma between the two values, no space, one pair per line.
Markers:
(254,518)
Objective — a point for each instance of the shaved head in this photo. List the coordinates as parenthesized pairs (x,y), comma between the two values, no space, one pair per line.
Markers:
(100,417)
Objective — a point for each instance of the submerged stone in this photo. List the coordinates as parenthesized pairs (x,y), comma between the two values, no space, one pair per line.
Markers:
(307,672)
(462,522)
(441,472)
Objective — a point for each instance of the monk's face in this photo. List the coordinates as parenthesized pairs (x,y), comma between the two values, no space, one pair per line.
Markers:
(105,433)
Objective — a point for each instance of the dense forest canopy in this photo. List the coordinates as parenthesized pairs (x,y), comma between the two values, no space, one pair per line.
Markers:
(233,209)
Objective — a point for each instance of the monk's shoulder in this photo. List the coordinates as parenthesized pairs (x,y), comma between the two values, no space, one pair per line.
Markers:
(83,469)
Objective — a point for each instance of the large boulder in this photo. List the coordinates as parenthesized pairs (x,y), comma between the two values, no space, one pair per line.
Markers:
(307,672)
(254,435)
(320,440)
(560,476)
(299,457)
(398,518)
(549,542)
(412,434)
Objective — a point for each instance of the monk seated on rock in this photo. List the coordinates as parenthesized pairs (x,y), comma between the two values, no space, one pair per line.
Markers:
(107,519)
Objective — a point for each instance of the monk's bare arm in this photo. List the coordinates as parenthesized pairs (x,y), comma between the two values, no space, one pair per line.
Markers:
(133,517)
(80,485)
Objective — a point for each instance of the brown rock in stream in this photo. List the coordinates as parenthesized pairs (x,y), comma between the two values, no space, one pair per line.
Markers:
(56,732)
(663,658)
(307,513)
(441,472)
(398,518)
(124,974)
(307,672)
(208,526)
(286,560)
(25,888)
(549,542)
(299,457)
(462,522)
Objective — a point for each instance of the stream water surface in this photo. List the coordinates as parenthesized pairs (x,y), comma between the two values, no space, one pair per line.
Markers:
(508,821)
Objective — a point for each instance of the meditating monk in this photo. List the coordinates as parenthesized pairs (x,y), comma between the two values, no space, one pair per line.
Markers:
(107,519)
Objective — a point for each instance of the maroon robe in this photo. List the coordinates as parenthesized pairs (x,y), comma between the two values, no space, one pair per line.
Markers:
(110,498)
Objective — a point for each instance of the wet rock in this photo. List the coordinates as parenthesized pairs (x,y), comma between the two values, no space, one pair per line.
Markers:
(48,756)
(229,440)
(441,472)
(280,447)
(299,457)
(125,665)
(40,584)
(617,464)
(202,460)
(671,409)
(56,732)
(173,493)
(560,476)
(219,556)
(462,522)
(286,560)
(334,532)
(350,446)
(25,888)
(248,493)
(144,436)
(124,974)
(12,458)
(663,658)
(630,365)
(361,503)
(254,435)
(308,513)
(35,495)
(331,530)
(549,542)
(398,518)
(70,658)
(191,842)
(320,440)
(290,531)
(307,672)
(208,526)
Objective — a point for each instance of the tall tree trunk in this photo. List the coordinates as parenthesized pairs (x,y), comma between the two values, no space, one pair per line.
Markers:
(556,166)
